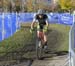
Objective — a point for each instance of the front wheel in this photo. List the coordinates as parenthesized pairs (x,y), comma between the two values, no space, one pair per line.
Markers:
(39,49)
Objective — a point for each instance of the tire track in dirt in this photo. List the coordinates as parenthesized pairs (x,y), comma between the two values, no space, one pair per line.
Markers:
(54,61)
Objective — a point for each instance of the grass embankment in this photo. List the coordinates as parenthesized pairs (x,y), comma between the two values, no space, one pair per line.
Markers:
(22,40)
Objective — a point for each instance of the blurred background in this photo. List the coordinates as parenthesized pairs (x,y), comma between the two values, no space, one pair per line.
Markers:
(34,5)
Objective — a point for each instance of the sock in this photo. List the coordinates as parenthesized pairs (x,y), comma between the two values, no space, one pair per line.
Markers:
(46,43)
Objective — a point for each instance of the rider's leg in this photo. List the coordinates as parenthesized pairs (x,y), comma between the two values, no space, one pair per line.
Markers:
(45,35)
(38,27)
(45,39)
(38,34)
(39,38)
(45,43)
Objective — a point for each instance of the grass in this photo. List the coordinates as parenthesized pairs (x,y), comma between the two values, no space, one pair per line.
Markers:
(23,40)
(59,37)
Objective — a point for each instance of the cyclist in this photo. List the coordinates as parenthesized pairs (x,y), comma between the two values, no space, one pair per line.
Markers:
(42,23)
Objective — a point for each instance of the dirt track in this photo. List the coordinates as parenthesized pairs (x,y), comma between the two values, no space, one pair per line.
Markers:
(54,61)
(57,43)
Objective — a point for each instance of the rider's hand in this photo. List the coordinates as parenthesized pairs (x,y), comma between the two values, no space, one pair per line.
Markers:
(46,27)
(31,30)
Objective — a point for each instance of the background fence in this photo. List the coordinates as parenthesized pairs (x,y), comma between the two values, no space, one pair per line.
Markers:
(7,25)
(72,44)
(63,18)
(10,22)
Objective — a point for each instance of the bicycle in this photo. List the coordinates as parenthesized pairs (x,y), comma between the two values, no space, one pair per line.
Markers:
(39,44)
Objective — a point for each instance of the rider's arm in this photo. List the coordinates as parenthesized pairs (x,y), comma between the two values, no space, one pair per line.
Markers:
(33,22)
(47,23)
(47,20)
(32,25)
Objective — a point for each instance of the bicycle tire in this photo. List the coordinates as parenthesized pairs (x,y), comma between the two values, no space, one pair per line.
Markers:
(39,49)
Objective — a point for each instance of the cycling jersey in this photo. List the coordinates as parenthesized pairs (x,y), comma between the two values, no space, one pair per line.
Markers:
(41,21)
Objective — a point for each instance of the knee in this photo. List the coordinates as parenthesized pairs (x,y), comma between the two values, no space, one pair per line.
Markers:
(45,38)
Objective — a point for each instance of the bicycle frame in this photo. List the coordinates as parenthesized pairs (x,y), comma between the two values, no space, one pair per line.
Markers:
(39,45)
(41,36)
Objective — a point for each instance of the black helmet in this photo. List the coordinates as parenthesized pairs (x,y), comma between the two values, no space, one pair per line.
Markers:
(41,11)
